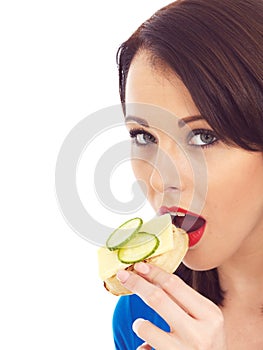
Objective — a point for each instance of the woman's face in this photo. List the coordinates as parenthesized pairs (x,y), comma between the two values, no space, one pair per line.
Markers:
(184,165)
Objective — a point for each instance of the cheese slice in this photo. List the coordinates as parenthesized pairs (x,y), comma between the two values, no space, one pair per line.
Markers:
(161,226)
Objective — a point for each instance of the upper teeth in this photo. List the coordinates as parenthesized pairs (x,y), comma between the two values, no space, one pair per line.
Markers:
(177,214)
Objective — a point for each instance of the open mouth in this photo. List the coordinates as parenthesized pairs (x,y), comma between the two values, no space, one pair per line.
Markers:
(193,224)
(187,222)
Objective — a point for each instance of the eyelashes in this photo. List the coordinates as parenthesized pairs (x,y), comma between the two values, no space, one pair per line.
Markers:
(142,137)
(197,138)
(202,138)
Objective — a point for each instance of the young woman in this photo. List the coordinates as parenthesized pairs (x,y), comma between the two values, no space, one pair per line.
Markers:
(201,62)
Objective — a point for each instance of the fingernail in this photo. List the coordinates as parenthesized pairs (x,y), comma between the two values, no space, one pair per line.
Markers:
(142,268)
(136,324)
(122,276)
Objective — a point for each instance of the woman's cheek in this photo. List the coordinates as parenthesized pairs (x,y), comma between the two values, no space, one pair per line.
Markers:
(143,171)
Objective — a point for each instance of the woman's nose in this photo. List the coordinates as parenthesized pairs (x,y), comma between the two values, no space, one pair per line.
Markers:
(168,171)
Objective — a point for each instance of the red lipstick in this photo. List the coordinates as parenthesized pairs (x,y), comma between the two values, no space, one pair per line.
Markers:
(192,223)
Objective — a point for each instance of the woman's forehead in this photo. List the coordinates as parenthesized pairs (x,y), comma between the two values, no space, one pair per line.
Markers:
(148,85)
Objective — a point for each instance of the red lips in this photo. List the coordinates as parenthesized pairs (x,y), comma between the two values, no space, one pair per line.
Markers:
(193,224)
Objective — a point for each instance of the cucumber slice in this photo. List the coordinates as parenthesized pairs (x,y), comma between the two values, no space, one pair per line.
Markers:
(123,233)
(140,246)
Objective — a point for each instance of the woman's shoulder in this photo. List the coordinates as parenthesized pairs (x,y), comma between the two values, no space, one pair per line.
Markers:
(127,310)
(131,307)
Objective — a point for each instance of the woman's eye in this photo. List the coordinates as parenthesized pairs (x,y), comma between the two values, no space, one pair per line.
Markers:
(202,138)
(142,137)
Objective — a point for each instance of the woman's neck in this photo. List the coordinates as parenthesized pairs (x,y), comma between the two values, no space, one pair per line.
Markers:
(242,280)
(241,277)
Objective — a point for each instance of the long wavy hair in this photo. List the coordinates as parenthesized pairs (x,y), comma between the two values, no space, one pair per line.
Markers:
(216,49)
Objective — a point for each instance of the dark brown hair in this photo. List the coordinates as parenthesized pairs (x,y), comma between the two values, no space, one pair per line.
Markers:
(216,49)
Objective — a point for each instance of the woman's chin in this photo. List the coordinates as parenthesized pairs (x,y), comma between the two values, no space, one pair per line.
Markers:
(199,264)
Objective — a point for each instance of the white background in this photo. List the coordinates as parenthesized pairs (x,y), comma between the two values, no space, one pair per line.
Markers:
(57,66)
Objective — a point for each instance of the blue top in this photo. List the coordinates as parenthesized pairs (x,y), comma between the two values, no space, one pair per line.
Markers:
(128,309)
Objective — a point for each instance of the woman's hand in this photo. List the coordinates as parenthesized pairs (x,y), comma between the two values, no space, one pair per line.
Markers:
(195,322)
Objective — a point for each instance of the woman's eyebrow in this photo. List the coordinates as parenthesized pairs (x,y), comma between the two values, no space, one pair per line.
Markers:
(138,120)
(183,121)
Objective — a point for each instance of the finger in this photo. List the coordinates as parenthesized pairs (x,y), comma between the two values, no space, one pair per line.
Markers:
(158,300)
(153,336)
(190,300)
(144,346)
